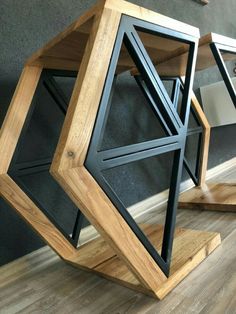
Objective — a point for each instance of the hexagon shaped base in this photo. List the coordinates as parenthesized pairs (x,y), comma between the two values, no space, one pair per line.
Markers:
(191,247)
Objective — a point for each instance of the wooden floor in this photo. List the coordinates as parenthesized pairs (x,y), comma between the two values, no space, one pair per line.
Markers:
(217,194)
(42,283)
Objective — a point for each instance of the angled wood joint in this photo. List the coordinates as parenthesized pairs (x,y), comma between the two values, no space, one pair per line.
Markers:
(93,48)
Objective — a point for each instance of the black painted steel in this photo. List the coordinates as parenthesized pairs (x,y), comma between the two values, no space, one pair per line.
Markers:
(152,104)
(217,49)
(179,158)
(56,93)
(194,175)
(175,127)
(17,170)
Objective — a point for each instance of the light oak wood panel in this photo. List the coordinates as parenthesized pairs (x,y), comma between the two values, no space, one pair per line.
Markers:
(57,63)
(210,287)
(205,138)
(211,196)
(26,208)
(175,64)
(82,111)
(16,114)
(190,248)
(62,45)
(96,32)
(78,25)
(144,14)
(96,206)
(70,50)
(31,283)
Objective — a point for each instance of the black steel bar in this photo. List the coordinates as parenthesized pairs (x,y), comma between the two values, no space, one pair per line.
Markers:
(77,227)
(193,131)
(215,48)
(189,171)
(91,163)
(139,147)
(95,143)
(145,66)
(24,129)
(195,117)
(16,170)
(122,160)
(152,104)
(42,208)
(62,73)
(175,93)
(172,205)
(96,159)
(106,113)
(187,90)
(129,219)
(30,167)
(56,93)
(226,49)
(199,151)
(152,80)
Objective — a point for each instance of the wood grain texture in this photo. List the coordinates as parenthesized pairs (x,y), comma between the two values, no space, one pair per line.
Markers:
(96,206)
(205,139)
(212,196)
(82,111)
(75,26)
(95,32)
(213,286)
(190,248)
(61,47)
(136,11)
(175,63)
(25,207)
(16,114)
(31,284)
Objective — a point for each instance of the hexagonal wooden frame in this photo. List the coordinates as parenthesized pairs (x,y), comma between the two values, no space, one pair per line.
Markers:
(219,196)
(206,131)
(136,268)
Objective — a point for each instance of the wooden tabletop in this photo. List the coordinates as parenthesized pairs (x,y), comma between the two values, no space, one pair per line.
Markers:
(176,65)
(66,50)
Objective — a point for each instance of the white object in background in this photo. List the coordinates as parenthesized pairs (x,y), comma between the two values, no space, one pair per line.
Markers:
(217,104)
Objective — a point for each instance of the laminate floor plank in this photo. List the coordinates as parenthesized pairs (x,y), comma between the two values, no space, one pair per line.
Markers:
(42,283)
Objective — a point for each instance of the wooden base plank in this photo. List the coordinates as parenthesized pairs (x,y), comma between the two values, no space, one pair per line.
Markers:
(212,196)
(191,247)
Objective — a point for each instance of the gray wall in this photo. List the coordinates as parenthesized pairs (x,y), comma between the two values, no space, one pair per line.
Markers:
(27,25)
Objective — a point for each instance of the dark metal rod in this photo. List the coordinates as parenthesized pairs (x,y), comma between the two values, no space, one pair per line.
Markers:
(77,227)
(95,161)
(189,171)
(62,73)
(224,72)
(177,169)
(56,93)
(198,162)
(152,103)
(175,93)
(193,131)
(152,79)
(129,219)
(118,161)
(139,147)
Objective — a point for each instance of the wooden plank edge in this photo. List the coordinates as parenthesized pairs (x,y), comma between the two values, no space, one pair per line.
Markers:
(142,13)
(199,257)
(94,10)
(166,287)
